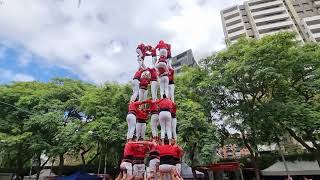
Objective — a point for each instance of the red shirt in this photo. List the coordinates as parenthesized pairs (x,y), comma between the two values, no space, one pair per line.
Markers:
(162,71)
(173,110)
(137,75)
(144,82)
(154,109)
(140,150)
(141,115)
(178,151)
(134,106)
(171,74)
(154,152)
(127,150)
(165,104)
(154,74)
(166,150)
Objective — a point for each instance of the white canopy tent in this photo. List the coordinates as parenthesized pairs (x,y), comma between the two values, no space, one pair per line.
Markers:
(294,168)
(43,174)
(186,172)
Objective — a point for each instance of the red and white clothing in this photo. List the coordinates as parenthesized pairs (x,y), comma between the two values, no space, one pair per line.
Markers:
(139,153)
(142,117)
(141,51)
(154,82)
(173,111)
(154,110)
(177,157)
(143,88)
(167,162)
(131,118)
(126,163)
(165,118)
(171,84)
(135,85)
(154,159)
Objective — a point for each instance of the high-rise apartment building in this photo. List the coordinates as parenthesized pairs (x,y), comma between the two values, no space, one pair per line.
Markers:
(183,59)
(257,18)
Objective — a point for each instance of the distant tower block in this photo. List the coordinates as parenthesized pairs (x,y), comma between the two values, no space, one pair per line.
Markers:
(184,59)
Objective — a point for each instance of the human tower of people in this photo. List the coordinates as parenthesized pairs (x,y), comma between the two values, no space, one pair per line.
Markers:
(163,153)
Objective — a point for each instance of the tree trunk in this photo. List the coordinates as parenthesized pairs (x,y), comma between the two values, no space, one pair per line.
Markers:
(82,155)
(61,163)
(253,156)
(19,170)
(40,167)
(255,167)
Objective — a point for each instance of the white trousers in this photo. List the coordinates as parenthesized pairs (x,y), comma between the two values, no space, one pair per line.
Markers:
(143,94)
(154,124)
(164,86)
(139,170)
(135,89)
(131,120)
(174,128)
(153,164)
(166,168)
(178,168)
(140,130)
(126,166)
(165,123)
(171,92)
(154,89)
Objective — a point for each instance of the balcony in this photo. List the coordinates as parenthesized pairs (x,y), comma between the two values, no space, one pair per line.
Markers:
(235,27)
(275,25)
(231,13)
(233,19)
(314,27)
(272,18)
(262,13)
(265,5)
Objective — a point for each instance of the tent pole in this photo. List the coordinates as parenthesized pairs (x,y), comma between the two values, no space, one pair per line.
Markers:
(30,172)
(241,174)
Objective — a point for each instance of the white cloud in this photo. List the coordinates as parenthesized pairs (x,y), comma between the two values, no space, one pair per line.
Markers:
(22,77)
(97,41)
(7,75)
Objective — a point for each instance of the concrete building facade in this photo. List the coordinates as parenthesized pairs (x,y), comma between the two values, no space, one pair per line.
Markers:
(257,18)
(183,59)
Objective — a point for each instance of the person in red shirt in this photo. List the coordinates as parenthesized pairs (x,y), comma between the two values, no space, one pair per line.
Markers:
(139,153)
(167,162)
(126,164)
(162,66)
(154,161)
(165,105)
(131,118)
(171,83)
(154,82)
(173,112)
(142,117)
(141,51)
(143,86)
(135,84)
(178,153)
(154,110)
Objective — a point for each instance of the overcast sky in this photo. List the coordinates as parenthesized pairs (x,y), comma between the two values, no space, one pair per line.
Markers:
(96,41)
